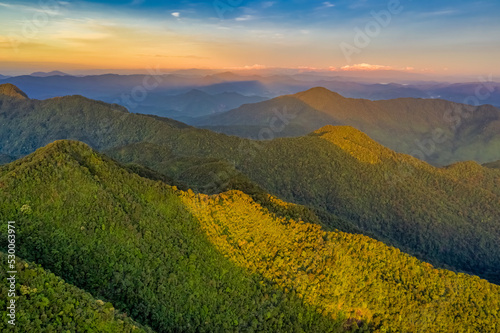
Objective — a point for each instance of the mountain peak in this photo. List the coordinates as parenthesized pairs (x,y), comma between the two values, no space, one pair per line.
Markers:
(65,147)
(11,90)
(317,92)
(355,142)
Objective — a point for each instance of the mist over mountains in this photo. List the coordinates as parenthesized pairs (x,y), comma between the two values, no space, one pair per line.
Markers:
(108,87)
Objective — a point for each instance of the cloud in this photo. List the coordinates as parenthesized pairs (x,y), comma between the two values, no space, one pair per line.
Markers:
(245,18)
(369,67)
(328,4)
(176,14)
(137,2)
(365,67)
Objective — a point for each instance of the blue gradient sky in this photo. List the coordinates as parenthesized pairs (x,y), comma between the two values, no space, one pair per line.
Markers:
(448,37)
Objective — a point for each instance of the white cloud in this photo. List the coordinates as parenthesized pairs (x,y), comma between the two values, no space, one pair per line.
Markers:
(328,4)
(176,14)
(365,67)
(244,18)
(369,67)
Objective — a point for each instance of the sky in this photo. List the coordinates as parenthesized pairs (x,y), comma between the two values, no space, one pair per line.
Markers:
(445,37)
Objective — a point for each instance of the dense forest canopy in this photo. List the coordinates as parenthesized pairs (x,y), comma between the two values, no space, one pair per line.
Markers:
(175,260)
(447,216)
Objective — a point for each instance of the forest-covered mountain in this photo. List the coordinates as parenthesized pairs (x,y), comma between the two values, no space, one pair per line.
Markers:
(178,261)
(438,131)
(46,303)
(447,216)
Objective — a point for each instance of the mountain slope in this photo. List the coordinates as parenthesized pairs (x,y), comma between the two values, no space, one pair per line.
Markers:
(437,131)
(186,262)
(10,90)
(48,304)
(448,220)
(131,241)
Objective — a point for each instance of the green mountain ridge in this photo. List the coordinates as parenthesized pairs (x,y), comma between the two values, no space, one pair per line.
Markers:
(446,216)
(131,241)
(438,131)
(178,261)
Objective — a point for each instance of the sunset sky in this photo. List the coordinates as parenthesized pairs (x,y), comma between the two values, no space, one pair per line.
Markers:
(452,37)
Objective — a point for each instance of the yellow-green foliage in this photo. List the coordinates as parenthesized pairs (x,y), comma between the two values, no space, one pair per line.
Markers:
(356,143)
(338,271)
(131,241)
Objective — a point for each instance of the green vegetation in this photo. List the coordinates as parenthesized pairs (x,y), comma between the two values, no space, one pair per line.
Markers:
(177,261)
(447,216)
(131,241)
(390,290)
(45,303)
(440,131)
(343,179)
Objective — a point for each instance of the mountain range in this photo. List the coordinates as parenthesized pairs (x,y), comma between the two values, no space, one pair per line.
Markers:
(343,179)
(108,87)
(438,131)
(178,261)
